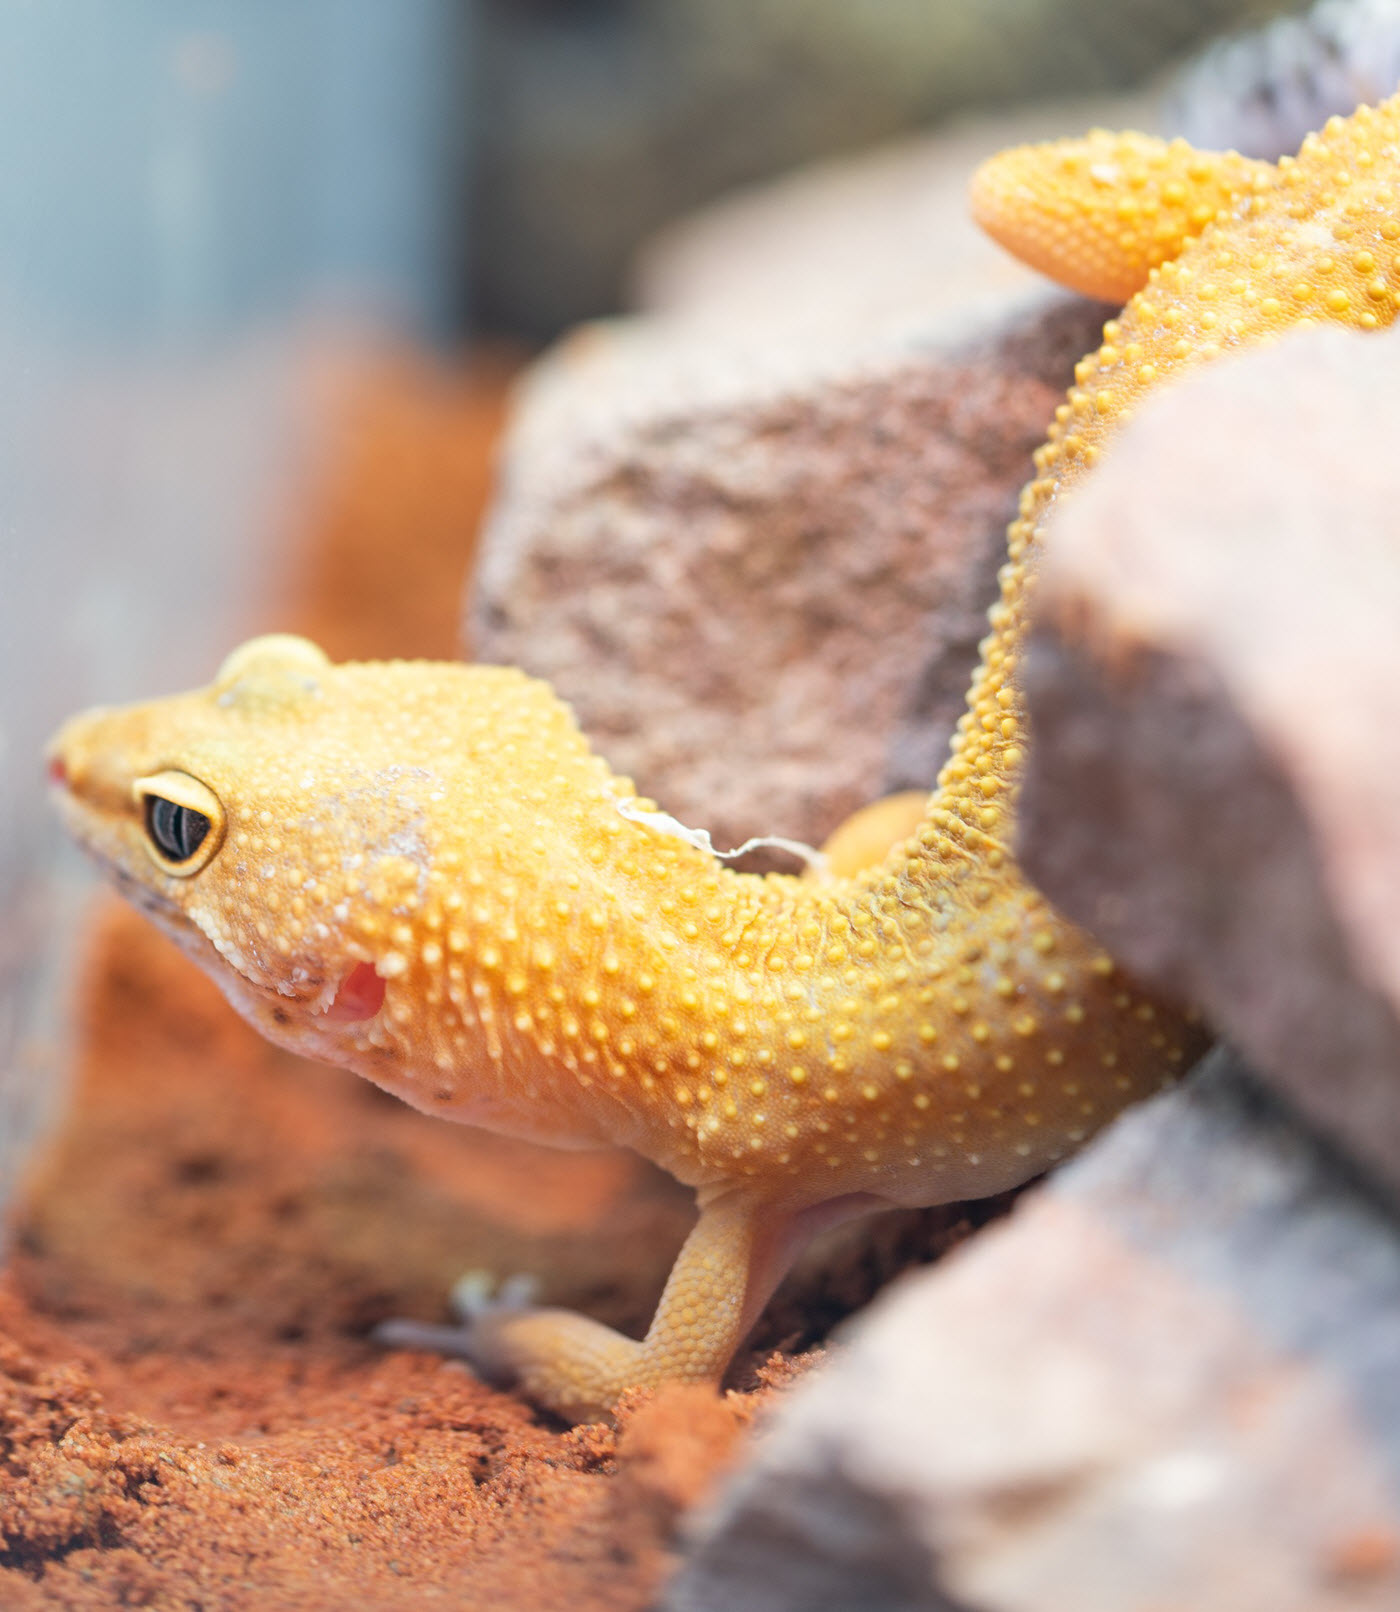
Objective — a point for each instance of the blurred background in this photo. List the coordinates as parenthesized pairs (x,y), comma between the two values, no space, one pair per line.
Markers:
(266,264)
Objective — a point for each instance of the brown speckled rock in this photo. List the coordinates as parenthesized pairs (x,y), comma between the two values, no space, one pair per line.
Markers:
(1215,689)
(1168,1381)
(749,600)
(753,538)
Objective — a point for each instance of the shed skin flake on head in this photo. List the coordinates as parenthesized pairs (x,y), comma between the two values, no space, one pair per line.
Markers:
(423,873)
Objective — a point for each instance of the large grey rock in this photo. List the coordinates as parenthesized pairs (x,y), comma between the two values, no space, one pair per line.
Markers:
(752,538)
(1263,91)
(1167,1381)
(1214,789)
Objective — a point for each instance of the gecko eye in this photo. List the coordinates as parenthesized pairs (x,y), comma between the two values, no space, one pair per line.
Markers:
(184,821)
(178,831)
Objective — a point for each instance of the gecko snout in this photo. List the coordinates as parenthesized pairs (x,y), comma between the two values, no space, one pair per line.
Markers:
(73,762)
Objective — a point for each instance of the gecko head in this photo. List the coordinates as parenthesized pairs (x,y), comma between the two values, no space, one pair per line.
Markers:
(301,828)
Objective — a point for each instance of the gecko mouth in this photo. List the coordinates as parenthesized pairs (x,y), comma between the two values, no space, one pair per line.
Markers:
(360,995)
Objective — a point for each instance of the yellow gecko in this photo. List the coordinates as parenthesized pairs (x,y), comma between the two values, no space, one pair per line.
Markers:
(422,872)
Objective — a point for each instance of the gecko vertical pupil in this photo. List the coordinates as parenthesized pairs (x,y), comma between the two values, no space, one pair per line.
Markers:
(177,832)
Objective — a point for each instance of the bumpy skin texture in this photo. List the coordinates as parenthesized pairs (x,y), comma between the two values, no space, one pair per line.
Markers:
(796,1051)
(1099,214)
(422,872)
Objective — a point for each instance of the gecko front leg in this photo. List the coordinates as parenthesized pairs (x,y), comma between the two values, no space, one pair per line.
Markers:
(736,1254)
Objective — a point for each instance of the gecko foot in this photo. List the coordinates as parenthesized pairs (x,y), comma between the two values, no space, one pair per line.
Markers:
(573,1365)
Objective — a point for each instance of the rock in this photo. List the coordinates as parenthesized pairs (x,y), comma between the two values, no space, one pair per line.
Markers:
(753,539)
(596,123)
(856,247)
(1214,789)
(1167,1381)
(749,598)
(1262,92)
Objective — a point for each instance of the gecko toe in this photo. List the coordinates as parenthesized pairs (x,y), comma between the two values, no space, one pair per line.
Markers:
(477,1298)
(476,1295)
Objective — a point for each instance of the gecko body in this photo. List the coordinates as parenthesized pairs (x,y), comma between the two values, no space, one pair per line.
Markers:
(421,871)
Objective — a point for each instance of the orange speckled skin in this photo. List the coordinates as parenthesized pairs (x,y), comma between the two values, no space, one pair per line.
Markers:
(1099,214)
(924,1031)
(558,971)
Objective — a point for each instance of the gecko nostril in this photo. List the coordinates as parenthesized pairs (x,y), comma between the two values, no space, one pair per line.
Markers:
(57,772)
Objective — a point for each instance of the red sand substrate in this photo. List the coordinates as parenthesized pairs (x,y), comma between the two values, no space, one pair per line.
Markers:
(190,1414)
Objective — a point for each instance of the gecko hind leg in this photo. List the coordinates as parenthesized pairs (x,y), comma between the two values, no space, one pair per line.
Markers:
(736,1254)
(868,836)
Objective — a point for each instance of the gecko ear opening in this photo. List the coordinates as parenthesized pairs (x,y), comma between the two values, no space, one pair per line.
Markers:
(184,821)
